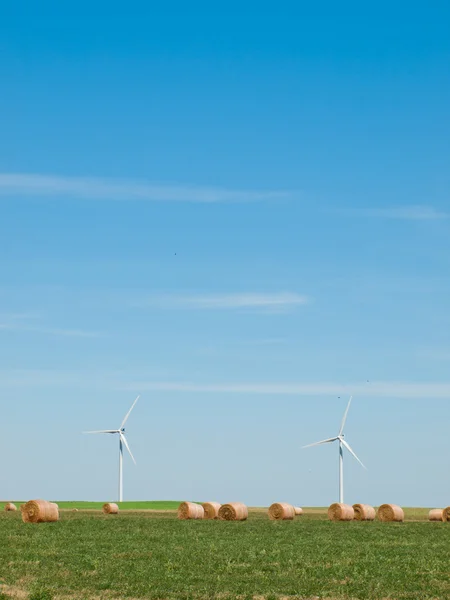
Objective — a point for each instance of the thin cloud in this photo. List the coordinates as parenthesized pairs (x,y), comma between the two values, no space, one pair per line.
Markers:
(263,342)
(18,378)
(24,184)
(23,378)
(265,302)
(406,213)
(49,330)
(21,322)
(375,389)
(13,317)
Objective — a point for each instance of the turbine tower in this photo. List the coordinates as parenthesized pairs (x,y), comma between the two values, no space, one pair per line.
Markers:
(122,442)
(342,443)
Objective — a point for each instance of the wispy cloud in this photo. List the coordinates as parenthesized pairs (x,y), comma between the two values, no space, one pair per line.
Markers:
(24,184)
(18,316)
(49,330)
(406,213)
(396,389)
(275,341)
(279,302)
(26,322)
(17,378)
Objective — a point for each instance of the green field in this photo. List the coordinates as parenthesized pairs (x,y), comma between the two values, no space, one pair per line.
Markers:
(139,554)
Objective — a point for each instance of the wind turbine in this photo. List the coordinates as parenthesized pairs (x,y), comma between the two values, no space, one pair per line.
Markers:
(122,442)
(342,443)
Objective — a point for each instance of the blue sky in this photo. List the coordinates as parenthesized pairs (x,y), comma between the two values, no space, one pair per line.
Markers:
(242,214)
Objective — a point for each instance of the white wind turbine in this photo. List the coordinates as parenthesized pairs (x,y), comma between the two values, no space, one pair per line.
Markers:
(122,442)
(342,442)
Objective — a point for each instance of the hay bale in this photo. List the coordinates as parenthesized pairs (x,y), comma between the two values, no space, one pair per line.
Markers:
(211,510)
(10,507)
(389,513)
(436,514)
(281,511)
(190,510)
(446,514)
(341,512)
(74,509)
(110,508)
(39,511)
(364,512)
(298,511)
(234,511)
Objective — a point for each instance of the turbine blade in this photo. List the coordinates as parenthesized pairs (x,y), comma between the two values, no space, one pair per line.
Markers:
(351,452)
(124,440)
(102,431)
(321,442)
(128,413)
(345,416)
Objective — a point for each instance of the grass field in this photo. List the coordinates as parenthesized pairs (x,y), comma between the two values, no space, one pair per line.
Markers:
(139,554)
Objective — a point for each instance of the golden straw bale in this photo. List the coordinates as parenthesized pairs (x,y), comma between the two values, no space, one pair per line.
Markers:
(110,508)
(341,512)
(39,511)
(234,511)
(74,509)
(390,513)
(364,512)
(298,511)
(446,514)
(211,510)
(10,507)
(281,511)
(190,510)
(436,514)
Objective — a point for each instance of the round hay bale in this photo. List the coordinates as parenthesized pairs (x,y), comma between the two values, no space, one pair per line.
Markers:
(389,513)
(298,511)
(341,512)
(234,511)
(190,510)
(364,512)
(211,510)
(446,514)
(110,508)
(74,509)
(10,507)
(436,514)
(39,511)
(281,511)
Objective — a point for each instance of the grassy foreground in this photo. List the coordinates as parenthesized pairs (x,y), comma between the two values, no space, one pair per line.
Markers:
(153,555)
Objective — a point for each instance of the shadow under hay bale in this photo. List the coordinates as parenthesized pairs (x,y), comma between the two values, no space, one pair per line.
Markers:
(190,510)
(341,512)
(281,511)
(390,513)
(110,508)
(39,511)
(234,511)
(211,510)
(364,512)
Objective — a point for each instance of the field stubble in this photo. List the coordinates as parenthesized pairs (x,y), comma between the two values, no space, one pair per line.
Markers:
(153,555)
